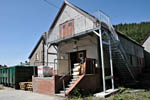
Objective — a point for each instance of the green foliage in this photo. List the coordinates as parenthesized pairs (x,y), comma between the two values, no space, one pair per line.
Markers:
(76,92)
(137,31)
(79,94)
(131,94)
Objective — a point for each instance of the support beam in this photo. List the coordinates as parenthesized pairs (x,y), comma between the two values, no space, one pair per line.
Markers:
(111,65)
(102,59)
(97,33)
(48,46)
(55,47)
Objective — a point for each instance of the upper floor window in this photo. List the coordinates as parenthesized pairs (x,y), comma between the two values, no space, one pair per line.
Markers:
(36,56)
(63,27)
(67,28)
(70,24)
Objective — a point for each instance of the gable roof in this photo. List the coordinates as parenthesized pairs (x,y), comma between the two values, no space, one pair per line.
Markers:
(128,38)
(93,18)
(36,46)
(75,8)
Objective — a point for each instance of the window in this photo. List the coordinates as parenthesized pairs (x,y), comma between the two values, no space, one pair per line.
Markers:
(63,27)
(70,24)
(36,56)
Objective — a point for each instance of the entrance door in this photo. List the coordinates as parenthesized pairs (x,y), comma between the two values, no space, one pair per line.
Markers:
(77,57)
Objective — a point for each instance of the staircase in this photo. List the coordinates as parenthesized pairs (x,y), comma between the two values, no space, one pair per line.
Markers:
(126,75)
(76,77)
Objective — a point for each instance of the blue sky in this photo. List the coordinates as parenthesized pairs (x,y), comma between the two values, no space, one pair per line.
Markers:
(23,21)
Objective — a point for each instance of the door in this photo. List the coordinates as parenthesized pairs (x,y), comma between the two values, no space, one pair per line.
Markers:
(77,57)
(67,28)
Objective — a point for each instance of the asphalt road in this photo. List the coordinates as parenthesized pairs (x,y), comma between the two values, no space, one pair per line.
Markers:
(12,94)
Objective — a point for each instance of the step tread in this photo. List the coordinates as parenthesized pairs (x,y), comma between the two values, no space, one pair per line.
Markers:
(60,94)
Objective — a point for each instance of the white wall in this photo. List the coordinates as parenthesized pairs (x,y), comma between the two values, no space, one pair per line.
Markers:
(81,23)
(52,57)
(88,43)
(146,45)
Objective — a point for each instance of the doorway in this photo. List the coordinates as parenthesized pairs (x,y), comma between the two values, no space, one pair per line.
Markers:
(77,57)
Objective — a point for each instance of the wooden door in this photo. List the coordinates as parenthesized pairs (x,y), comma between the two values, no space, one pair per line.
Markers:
(70,28)
(67,29)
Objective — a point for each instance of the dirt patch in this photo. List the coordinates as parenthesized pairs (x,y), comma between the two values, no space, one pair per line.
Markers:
(1,87)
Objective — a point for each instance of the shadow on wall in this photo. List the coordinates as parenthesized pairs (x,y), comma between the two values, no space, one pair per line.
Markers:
(147,58)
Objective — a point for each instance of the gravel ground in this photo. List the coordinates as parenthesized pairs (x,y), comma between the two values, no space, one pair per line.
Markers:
(12,94)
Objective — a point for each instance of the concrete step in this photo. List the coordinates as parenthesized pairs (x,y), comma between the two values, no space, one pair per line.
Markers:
(77,64)
(67,88)
(75,73)
(75,76)
(60,94)
(69,85)
(76,69)
(74,79)
(72,82)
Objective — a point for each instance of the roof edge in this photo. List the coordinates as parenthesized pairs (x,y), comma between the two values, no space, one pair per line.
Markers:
(129,38)
(36,46)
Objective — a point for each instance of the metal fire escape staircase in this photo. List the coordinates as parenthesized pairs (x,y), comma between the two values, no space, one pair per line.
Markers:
(120,61)
(119,56)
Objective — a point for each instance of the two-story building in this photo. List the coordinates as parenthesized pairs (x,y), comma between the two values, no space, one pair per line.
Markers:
(87,53)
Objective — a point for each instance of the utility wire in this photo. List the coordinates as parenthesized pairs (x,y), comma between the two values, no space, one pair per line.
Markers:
(50,3)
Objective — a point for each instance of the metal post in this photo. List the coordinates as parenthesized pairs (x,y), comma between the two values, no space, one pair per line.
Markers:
(102,59)
(47,56)
(111,65)
(34,70)
(64,87)
(54,68)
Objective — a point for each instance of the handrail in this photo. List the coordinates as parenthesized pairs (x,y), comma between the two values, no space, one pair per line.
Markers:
(62,78)
(124,57)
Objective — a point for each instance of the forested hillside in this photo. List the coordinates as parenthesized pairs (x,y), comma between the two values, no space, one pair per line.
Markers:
(137,31)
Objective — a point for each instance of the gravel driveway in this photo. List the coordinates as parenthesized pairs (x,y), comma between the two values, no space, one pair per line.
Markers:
(12,94)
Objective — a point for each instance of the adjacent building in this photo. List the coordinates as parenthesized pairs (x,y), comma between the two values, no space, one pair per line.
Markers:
(37,56)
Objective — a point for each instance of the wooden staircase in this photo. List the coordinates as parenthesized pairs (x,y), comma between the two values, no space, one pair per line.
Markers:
(76,78)
(79,71)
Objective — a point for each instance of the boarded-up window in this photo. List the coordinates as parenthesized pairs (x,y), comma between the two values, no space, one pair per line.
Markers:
(67,28)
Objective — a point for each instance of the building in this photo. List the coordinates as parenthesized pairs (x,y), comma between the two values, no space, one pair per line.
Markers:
(146,46)
(37,56)
(146,43)
(87,49)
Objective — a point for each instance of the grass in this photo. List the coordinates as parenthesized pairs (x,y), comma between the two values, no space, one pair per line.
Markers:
(85,98)
(124,94)
(130,94)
